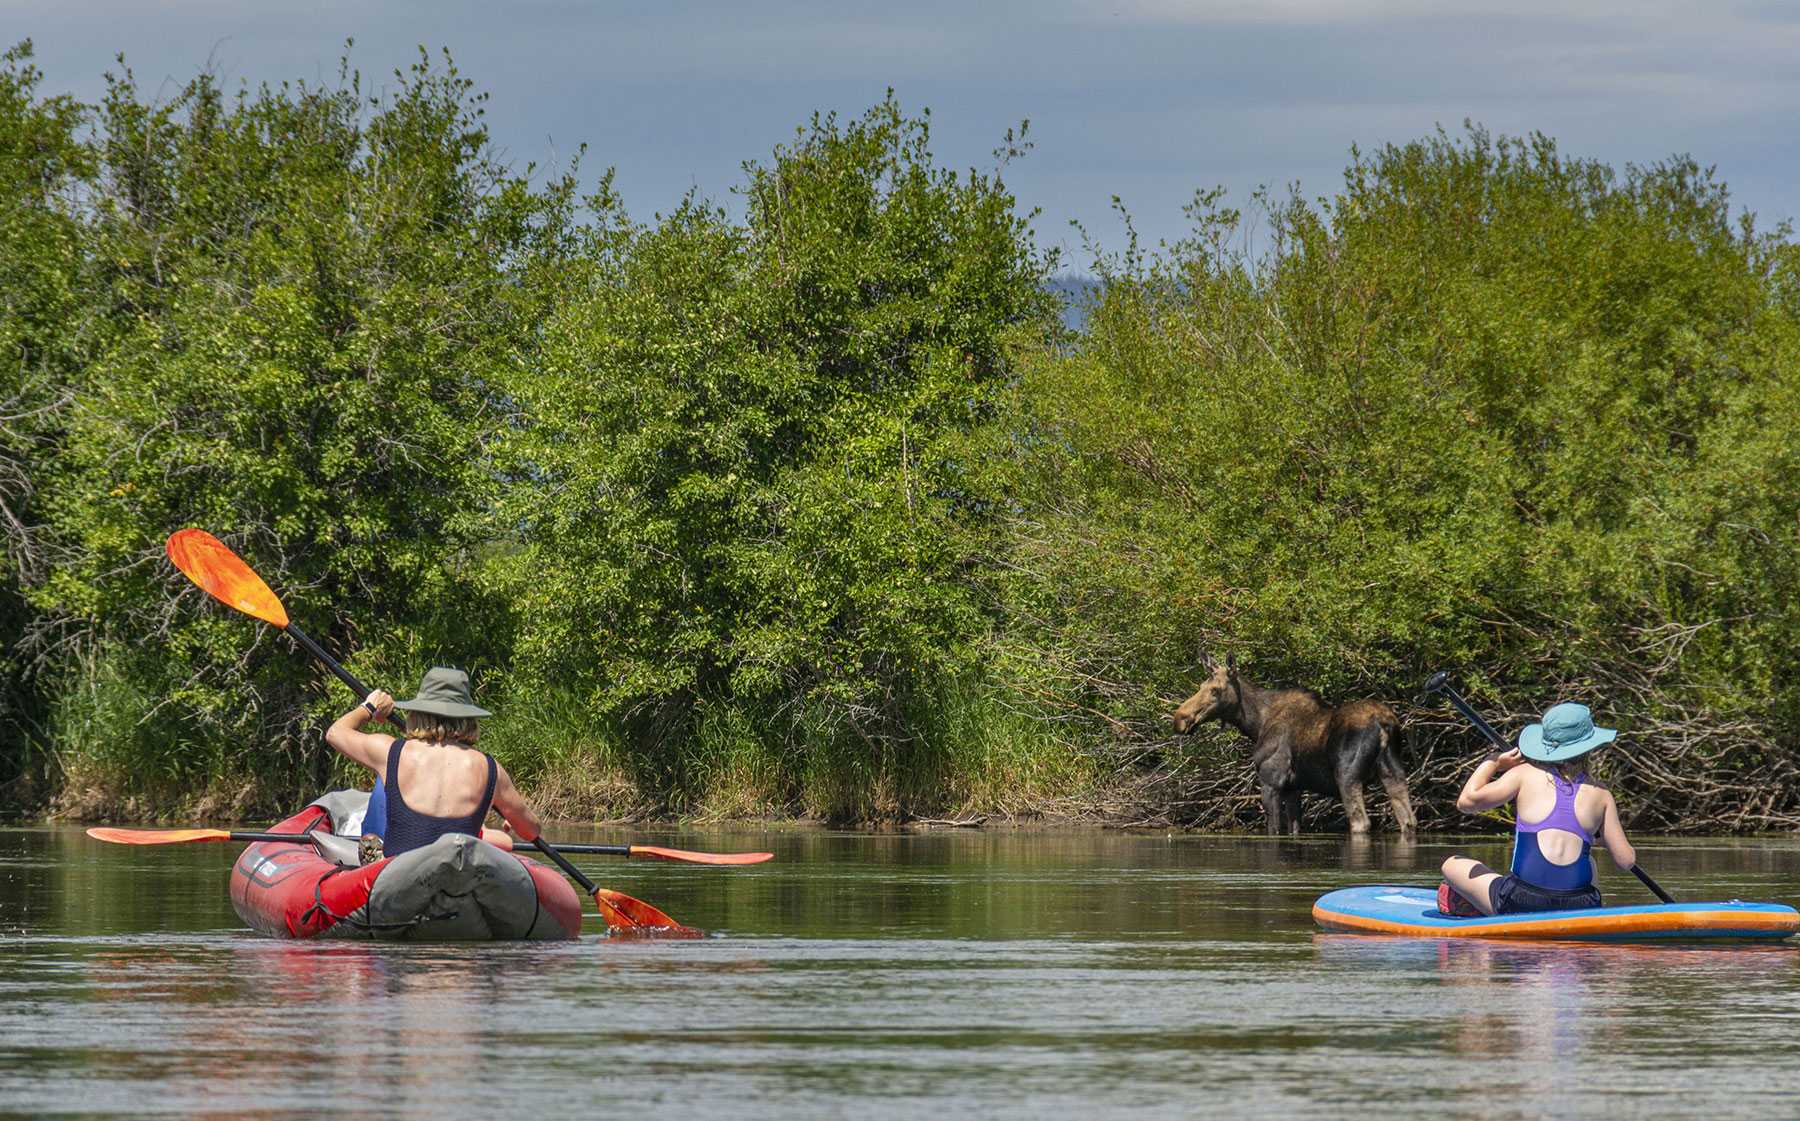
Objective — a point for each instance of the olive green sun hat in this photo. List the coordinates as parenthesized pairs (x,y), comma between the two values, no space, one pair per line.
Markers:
(1567,731)
(444,692)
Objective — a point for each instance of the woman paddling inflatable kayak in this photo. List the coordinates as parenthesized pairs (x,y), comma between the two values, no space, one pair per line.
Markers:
(427,875)
(223,575)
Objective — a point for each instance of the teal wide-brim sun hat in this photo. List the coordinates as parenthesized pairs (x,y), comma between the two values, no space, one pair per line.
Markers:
(1567,731)
(443,692)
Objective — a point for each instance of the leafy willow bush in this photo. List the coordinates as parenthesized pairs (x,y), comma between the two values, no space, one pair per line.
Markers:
(43,337)
(744,497)
(1488,408)
(300,296)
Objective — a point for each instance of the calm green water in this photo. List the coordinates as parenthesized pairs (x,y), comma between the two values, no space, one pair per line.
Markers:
(933,976)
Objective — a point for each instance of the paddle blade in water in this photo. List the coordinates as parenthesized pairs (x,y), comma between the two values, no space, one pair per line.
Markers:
(635,918)
(221,574)
(701,857)
(157,836)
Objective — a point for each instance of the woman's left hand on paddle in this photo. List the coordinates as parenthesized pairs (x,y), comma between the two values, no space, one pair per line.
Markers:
(380,703)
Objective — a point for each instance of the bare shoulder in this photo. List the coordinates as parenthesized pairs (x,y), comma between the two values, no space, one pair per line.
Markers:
(1593,801)
(1532,777)
(376,748)
(1596,791)
(475,761)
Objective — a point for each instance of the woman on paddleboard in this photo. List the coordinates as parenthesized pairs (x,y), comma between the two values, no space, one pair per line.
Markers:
(1558,813)
(432,781)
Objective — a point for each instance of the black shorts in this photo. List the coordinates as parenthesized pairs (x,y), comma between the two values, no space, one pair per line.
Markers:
(1513,896)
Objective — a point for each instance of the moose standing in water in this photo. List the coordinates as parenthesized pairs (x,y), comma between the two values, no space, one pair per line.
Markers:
(1302,744)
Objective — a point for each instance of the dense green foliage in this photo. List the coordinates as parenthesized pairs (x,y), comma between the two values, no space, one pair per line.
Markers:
(292,305)
(745,497)
(1489,409)
(44,330)
(807,505)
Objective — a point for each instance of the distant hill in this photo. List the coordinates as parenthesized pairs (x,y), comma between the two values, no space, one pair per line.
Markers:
(1074,292)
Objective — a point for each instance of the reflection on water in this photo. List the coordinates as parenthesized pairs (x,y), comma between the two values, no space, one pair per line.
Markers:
(1564,1018)
(965,974)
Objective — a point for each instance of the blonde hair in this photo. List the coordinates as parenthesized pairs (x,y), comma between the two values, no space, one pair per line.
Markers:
(1571,770)
(432,728)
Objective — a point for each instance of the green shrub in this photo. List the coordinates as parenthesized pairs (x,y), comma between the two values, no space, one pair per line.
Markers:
(744,508)
(1488,409)
(303,297)
(44,333)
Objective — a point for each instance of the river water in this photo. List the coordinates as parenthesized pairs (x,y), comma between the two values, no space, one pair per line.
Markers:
(940,975)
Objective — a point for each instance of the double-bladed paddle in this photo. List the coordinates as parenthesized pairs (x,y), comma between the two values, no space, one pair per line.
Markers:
(189,836)
(1439,682)
(222,574)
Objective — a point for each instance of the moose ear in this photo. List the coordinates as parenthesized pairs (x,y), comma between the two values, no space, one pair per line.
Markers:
(1206,662)
(1231,662)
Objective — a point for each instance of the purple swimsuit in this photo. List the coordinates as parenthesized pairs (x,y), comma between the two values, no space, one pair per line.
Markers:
(1530,864)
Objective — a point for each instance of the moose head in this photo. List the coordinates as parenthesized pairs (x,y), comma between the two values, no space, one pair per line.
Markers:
(1220,694)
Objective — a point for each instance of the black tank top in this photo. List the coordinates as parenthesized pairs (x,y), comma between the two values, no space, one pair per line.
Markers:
(408,829)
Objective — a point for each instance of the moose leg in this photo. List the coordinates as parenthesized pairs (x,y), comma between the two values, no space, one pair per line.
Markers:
(1353,761)
(1393,780)
(1350,788)
(1271,800)
(1290,811)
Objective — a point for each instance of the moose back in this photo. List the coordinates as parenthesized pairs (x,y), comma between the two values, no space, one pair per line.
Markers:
(1301,744)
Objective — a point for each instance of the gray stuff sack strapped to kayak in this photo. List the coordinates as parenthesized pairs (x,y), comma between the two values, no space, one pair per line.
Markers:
(454,889)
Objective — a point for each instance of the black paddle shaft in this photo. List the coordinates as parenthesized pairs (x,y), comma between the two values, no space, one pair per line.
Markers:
(331,663)
(562,862)
(1437,683)
(306,838)
(595,850)
(1654,887)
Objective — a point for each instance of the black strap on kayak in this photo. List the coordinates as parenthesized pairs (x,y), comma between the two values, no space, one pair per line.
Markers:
(319,908)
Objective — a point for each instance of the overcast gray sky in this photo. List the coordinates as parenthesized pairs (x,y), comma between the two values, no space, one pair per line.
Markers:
(1146,99)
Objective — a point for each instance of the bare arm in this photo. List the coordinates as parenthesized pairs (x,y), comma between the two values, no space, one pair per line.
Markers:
(1612,834)
(1494,783)
(347,738)
(511,805)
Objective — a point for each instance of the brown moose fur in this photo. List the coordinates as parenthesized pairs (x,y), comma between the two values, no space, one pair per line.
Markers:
(1301,744)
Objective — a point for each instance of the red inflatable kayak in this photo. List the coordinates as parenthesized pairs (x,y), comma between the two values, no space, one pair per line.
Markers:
(456,889)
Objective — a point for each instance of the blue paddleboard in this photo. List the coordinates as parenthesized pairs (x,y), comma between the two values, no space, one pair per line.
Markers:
(1394,909)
